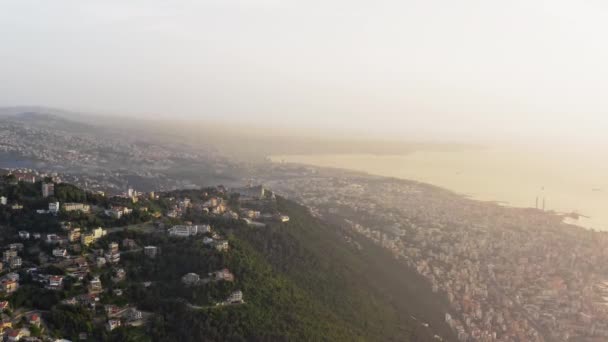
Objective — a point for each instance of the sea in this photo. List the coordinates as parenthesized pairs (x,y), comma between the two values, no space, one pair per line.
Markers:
(564,181)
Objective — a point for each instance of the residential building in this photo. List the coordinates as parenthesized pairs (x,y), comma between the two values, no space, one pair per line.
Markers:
(17,246)
(95,285)
(9,286)
(87,239)
(134,315)
(119,275)
(222,245)
(9,254)
(118,212)
(235,297)
(101,262)
(3,200)
(25,177)
(74,235)
(251,192)
(48,189)
(187,230)
(85,208)
(113,324)
(113,247)
(112,257)
(191,279)
(223,275)
(55,282)
(24,235)
(54,207)
(151,251)
(17,335)
(52,239)
(15,262)
(60,252)
(34,320)
(129,243)
(99,232)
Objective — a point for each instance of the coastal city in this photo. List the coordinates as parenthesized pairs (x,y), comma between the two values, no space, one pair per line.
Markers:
(508,274)
(102,158)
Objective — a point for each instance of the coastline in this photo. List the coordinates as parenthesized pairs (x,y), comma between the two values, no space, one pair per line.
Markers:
(566,218)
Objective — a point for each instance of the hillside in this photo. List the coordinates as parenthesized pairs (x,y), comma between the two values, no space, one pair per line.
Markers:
(357,280)
(300,280)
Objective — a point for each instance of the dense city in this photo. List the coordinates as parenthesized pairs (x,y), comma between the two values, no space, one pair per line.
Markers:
(104,158)
(509,274)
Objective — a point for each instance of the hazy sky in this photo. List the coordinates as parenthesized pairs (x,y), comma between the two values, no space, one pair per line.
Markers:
(412,68)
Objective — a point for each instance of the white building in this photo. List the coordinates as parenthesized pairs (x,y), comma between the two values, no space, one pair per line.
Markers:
(24,235)
(8,255)
(222,245)
(151,251)
(95,285)
(15,262)
(134,315)
(251,192)
(60,252)
(48,189)
(186,231)
(55,282)
(3,200)
(113,324)
(118,212)
(112,257)
(54,207)
(191,279)
(235,297)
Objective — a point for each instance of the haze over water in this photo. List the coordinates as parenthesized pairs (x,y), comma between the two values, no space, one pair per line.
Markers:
(569,182)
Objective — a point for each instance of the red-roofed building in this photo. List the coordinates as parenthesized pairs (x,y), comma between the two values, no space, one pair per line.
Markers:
(35,320)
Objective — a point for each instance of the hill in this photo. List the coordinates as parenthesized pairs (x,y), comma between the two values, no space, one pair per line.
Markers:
(300,280)
(360,282)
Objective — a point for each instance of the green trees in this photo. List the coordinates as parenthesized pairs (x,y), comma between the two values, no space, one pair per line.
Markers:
(70,320)
(65,193)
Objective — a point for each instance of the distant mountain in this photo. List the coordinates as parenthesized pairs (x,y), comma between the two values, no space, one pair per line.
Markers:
(106,157)
(15,110)
(50,119)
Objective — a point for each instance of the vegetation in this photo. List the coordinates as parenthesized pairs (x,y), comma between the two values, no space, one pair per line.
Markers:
(366,287)
(275,308)
(304,280)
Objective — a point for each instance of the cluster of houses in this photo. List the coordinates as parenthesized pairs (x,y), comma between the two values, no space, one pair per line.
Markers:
(10,257)
(117,316)
(74,240)
(23,333)
(193,279)
(118,211)
(215,240)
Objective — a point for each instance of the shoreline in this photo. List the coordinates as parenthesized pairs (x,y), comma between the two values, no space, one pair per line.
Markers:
(564,217)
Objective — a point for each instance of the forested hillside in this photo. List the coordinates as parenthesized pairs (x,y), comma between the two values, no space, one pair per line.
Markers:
(359,282)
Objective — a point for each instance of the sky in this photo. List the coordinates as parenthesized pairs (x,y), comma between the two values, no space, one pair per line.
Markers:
(451,70)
